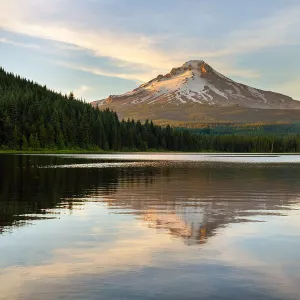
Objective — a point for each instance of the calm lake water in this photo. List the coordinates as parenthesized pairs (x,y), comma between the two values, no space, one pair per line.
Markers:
(155,226)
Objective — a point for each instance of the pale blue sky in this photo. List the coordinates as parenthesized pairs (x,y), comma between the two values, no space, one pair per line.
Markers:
(102,47)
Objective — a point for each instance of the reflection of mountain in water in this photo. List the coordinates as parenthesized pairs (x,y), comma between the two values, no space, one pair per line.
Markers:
(188,200)
(193,202)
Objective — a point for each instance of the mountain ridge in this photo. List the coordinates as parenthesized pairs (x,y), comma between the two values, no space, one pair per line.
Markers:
(195,84)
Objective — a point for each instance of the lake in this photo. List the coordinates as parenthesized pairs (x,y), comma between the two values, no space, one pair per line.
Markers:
(149,226)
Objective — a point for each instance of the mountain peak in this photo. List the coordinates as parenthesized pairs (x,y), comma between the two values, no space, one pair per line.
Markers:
(192,68)
(195,64)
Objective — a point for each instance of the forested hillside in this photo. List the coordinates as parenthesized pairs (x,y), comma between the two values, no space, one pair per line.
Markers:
(33,117)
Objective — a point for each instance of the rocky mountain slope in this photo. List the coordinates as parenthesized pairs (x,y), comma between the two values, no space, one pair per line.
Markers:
(195,92)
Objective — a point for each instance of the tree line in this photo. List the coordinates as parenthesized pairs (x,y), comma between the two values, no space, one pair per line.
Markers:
(254,129)
(32,117)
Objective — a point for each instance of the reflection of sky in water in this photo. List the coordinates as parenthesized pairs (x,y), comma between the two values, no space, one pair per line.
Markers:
(231,158)
(177,232)
(114,254)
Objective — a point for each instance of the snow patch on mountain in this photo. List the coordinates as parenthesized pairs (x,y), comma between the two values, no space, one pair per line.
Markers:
(256,93)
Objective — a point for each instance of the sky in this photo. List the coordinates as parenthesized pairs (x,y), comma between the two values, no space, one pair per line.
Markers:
(98,48)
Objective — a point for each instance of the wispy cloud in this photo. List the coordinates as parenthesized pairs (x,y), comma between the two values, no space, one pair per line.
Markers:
(138,77)
(278,29)
(128,47)
(18,44)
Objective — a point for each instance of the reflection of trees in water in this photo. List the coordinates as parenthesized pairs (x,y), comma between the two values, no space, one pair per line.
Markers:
(28,190)
(190,202)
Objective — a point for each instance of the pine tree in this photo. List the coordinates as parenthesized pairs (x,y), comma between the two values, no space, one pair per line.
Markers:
(24,143)
(16,138)
(32,144)
(71,96)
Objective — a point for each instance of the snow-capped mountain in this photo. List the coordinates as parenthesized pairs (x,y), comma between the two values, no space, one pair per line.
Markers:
(195,84)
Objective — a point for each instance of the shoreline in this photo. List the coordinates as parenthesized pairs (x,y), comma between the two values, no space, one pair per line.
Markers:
(48,151)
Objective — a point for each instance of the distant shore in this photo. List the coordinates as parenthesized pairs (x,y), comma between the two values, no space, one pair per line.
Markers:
(71,151)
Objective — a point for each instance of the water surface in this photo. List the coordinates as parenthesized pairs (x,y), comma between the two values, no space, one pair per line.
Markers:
(157,226)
